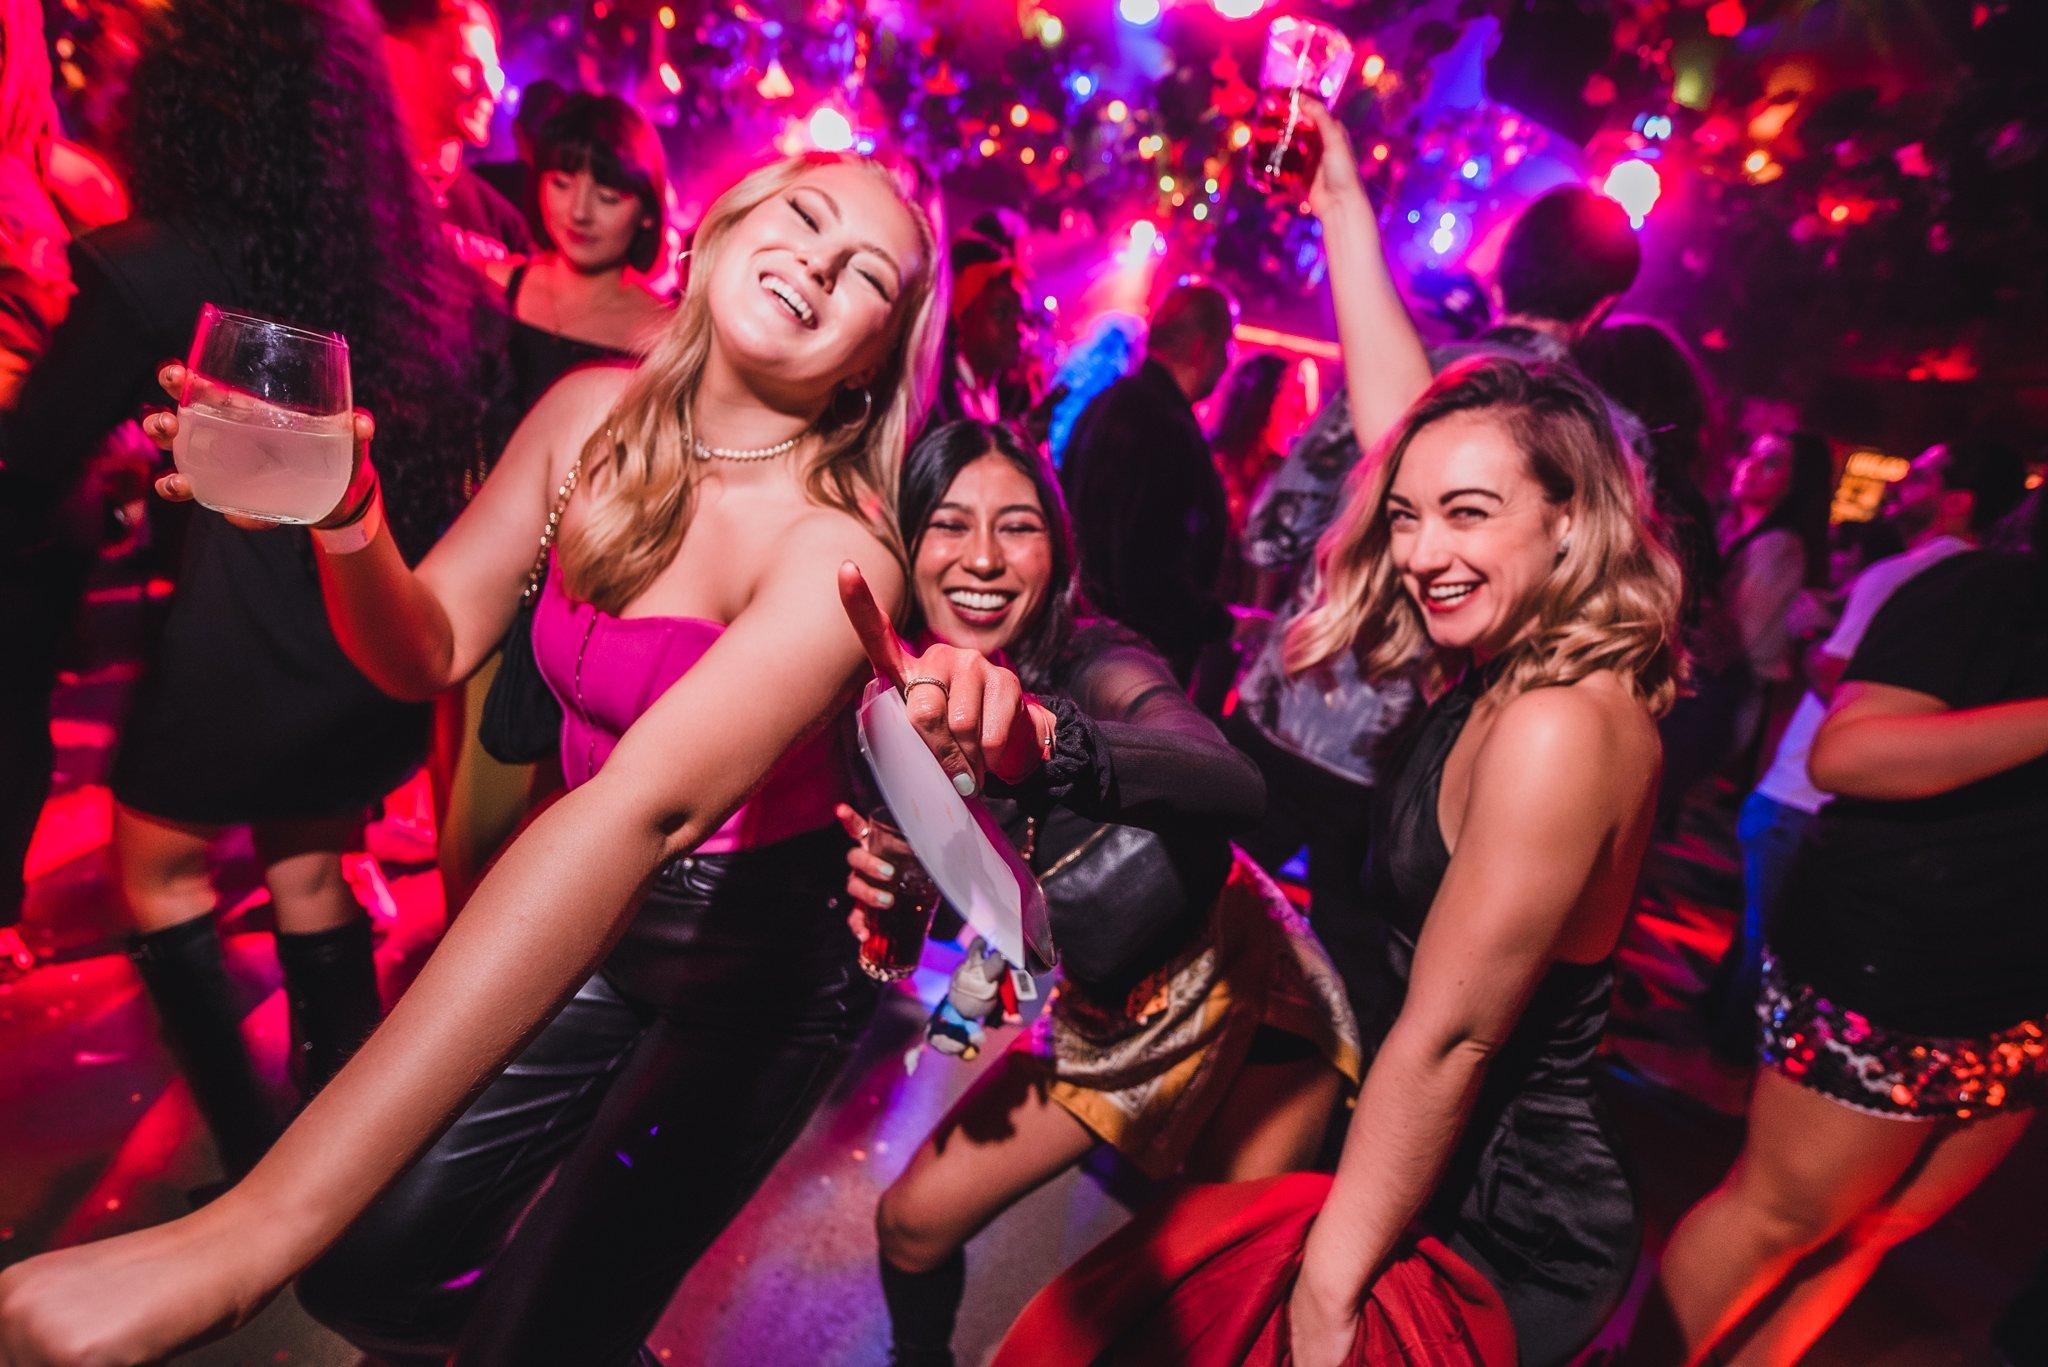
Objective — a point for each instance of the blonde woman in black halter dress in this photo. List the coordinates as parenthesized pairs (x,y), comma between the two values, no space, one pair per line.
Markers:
(1502,540)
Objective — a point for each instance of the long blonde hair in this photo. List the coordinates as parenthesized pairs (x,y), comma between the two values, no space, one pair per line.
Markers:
(1610,603)
(641,467)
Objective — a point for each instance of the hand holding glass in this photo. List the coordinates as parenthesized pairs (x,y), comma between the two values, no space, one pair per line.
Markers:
(1304,60)
(896,933)
(265,424)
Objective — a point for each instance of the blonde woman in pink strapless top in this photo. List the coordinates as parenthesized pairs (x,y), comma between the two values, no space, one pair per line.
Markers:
(657,957)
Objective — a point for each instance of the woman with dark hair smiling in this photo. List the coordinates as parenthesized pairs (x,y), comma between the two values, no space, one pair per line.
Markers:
(1200,1030)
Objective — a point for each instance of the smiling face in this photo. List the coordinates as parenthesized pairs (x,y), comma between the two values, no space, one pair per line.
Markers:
(441,71)
(478,73)
(593,225)
(1471,532)
(806,283)
(984,560)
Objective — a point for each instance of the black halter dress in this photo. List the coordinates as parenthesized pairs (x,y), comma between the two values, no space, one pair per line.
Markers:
(1535,1195)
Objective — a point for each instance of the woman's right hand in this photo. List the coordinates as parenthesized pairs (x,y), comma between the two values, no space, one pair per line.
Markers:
(161,427)
(132,1299)
(882,870)
(974,715)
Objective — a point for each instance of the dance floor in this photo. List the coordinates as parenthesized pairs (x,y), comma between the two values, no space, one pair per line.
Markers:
(98,1136)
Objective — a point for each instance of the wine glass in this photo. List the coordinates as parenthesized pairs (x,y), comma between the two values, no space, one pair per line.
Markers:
(265,422)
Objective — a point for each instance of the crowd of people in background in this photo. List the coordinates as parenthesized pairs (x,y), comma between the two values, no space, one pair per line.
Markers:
(1443,656)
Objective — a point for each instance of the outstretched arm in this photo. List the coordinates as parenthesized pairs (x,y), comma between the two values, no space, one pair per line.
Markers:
(416,632)
(1541,810)
(1385,366)
(540,922)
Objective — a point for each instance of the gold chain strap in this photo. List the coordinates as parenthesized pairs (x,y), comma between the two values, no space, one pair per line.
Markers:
(538,573)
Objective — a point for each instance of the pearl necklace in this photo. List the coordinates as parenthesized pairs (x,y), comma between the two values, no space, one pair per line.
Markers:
(757,453)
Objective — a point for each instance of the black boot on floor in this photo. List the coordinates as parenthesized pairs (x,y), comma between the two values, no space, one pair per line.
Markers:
(330,979)
(922,1308)
(186,976)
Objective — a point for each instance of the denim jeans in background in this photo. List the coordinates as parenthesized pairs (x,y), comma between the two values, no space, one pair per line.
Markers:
(1770,832)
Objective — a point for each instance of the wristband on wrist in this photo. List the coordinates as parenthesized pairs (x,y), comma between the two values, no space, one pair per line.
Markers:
(361,492)
(356,533)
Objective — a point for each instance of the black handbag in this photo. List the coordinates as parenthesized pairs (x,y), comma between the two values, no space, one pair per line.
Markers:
(1113,880)
(1114,866)
(521,721)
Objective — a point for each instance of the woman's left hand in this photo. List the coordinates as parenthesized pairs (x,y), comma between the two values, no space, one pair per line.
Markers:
(974,714)
(1338,185)
(1319,1334)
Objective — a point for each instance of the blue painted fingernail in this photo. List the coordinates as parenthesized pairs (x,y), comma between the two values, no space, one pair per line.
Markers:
(887,869)
(885,899)
(963,784)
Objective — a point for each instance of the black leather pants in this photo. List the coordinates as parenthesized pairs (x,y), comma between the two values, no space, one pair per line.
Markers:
(657,1100)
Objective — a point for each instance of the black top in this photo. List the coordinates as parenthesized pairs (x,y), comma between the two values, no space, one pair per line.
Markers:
(536,358)
(1150,515)
(1133,750)
(540,357)
(247,709)
(1928,915)
(1534,1194)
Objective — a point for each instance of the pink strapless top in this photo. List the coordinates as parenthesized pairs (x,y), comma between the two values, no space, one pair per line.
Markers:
(606,671)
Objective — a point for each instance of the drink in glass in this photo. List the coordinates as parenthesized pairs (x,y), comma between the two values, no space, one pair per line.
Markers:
(896,933)
(1304,60)
(265,424)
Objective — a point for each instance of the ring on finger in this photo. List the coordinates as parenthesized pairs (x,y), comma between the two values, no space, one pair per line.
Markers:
(917,679)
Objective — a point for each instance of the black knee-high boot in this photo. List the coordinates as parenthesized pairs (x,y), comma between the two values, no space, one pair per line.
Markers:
(330,979)
(922,1308)
(186,976)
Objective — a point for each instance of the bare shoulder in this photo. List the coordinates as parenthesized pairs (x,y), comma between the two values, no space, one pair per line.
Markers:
(1592,734)
(573,408)
(584,396)
(821,538)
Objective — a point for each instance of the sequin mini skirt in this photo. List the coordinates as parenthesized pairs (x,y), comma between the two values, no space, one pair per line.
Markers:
(1846,1057)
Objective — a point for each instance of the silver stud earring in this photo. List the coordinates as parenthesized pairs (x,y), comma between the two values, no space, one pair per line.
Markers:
(1564,548)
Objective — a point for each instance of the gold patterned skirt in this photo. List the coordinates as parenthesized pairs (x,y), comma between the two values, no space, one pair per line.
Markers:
(1146,1074)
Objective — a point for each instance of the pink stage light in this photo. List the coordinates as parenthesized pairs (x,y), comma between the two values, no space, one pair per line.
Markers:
(1238,9)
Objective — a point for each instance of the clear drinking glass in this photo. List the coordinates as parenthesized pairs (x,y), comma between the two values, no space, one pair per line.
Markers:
(1304,59)
(896,934)
(265,425)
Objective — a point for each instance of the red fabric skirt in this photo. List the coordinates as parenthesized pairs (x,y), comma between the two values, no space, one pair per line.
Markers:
(1203,1280)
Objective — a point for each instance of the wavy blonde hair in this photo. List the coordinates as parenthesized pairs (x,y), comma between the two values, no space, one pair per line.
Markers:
(1612,600)
(642,467)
